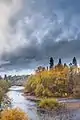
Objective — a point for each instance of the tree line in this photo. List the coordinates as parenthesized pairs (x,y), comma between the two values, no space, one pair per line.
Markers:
(74,62)
(60,80)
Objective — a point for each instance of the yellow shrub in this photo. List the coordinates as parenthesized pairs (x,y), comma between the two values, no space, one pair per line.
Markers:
(13,114)
(48,83)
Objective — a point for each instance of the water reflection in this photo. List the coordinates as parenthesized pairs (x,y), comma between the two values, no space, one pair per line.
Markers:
(18,100)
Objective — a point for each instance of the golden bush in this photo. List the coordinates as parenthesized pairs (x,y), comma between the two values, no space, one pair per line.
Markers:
(13,114)
(48,83)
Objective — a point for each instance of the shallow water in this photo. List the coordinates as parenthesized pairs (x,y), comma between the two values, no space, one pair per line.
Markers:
(18,100)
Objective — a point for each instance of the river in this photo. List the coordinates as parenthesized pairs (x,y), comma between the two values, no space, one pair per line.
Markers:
(18,100)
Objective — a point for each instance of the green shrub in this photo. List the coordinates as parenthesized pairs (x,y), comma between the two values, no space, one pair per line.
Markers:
(47,93)
(4,85)
(39,90)
(30,86)
(1,94)
(49,104)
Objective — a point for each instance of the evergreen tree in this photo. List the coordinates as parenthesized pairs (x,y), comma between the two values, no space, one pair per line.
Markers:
(5,77)
(59,63)
(47,67)
(70,64)
(65,65)
(74,61)
(0,77)
(51,63)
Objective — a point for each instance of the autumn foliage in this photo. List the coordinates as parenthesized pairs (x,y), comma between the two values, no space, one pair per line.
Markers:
(59,81)
(49,83)
(13,114)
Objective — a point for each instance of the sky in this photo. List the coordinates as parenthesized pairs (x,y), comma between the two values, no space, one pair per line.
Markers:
(31,31)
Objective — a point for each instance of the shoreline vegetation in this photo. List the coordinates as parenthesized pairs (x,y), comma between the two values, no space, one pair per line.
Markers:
(4,86)
(57,81)
(6,111)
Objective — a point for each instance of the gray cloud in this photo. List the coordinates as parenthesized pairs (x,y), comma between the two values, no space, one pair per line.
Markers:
(32,31)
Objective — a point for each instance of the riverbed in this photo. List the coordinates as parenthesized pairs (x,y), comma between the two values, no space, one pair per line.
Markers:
(15,93)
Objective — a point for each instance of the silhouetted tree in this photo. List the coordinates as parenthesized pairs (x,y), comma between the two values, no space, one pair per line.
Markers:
(47,67)
(40,68)
(59,63)
(0,77)
(5,77)
(51,63)
(70,64)
(65,65)
(74,61)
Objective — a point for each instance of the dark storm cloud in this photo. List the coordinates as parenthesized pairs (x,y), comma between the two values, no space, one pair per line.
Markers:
(41,29)
(41,54)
